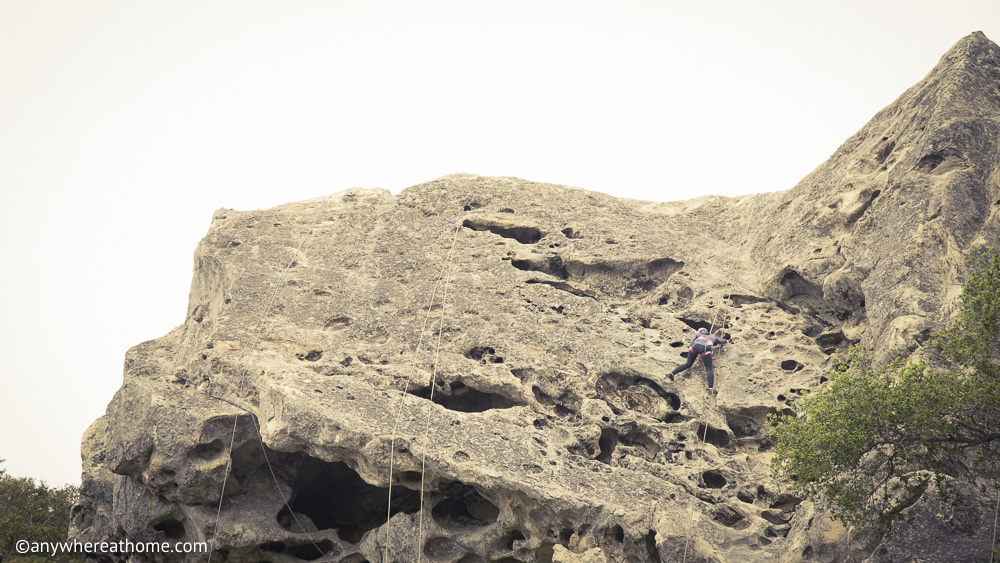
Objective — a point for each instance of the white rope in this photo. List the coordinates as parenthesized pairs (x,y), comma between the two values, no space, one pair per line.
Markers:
(996,513)
(434,371)
(406,385)
(732,269)
(243,360)
(692,515)
(399,413)
(730,277)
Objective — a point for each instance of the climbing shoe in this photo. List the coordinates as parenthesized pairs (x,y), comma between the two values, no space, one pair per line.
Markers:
(713,391)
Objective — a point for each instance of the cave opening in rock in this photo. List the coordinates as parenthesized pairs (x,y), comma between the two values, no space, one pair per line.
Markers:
(800,295)
(463,398)
(565,535)
(209,450)
(673,400)
(930,161)
(675,417)
(730,517)
(462,507)
(607,444)
(795,285)
(310,356)
(775,517)
(523,235)
(713,479)
(309,551)
(273,546)
(831,341)
(714,436)
(552,265)
(742,426)
(617,533)
(785,502)
(791,365)
(507,542)
(171,529)
(648,447)
(696,324)
(777,531)
(652,552)
(331,495)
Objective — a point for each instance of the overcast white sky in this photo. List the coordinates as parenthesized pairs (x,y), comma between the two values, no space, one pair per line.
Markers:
(125,124)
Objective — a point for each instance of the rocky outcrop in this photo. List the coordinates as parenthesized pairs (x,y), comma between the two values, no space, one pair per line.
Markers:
(474,369)
(873,240)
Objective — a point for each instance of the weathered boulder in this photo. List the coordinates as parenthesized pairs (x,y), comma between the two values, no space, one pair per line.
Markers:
(475,369)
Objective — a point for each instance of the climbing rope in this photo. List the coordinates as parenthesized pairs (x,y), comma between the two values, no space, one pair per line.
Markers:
(243,361)
(996,513)
(252,341)
(692,516)
(434,371)
(399,411)
(732,270)
(730,277)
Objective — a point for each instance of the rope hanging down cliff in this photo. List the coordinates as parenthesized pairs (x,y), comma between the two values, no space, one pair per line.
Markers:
(434,370)
(730,276)
(445,277)
(725,291)
(243,361)
(252,341)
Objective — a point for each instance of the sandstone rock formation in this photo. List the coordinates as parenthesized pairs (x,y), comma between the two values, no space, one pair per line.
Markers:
(496,351)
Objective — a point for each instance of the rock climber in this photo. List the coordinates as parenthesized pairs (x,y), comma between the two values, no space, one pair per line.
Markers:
(701,347)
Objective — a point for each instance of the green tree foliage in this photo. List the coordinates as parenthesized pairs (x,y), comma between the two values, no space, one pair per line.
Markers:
(872,439)
(36,513)
(974,340)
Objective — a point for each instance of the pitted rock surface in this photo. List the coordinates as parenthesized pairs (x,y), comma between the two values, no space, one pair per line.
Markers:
(475,369)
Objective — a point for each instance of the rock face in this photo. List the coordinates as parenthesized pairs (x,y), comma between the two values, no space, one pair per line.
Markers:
(474,370)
